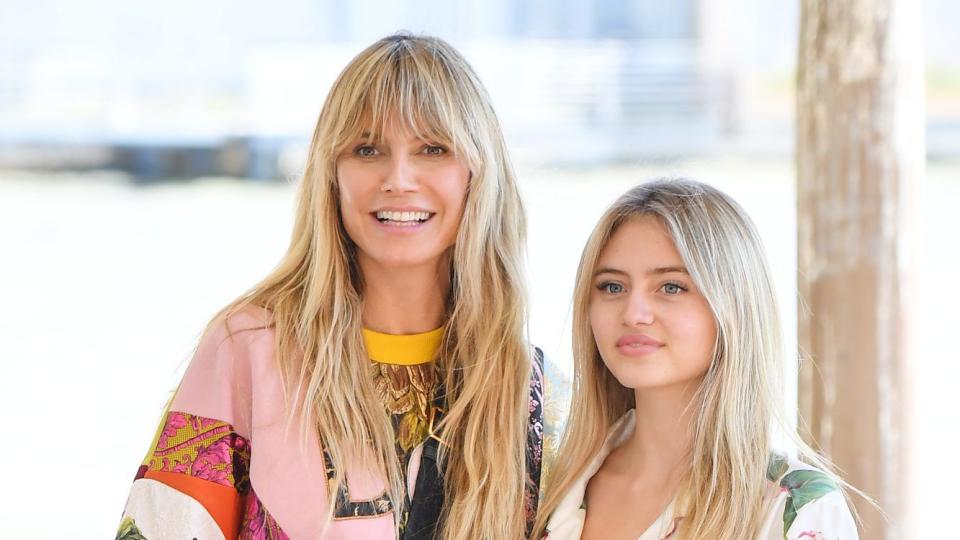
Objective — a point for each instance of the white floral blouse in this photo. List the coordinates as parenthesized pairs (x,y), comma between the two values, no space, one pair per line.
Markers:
(802,503)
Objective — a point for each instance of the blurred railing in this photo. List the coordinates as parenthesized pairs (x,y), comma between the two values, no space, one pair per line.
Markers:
(559,101)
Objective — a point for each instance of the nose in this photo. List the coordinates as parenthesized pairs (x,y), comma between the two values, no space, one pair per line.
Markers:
(401,176)
(638,311)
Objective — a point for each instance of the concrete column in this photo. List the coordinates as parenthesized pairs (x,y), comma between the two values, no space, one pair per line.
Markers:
(860,156)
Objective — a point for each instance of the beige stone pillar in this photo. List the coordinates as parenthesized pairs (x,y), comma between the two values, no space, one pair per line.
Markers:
(860,155)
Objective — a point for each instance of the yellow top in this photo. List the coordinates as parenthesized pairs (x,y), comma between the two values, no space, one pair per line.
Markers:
(408,350)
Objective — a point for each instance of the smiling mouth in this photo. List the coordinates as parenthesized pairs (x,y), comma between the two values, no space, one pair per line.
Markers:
(403,219)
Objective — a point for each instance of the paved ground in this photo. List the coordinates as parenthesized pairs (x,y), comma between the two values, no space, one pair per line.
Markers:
(106,287)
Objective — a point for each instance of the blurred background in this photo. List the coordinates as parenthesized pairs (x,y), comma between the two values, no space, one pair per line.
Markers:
(148,156)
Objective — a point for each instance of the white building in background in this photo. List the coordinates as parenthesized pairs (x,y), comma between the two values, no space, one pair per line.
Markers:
(573,80)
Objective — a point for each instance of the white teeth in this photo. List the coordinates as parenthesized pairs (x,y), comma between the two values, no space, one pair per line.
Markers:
(385,215)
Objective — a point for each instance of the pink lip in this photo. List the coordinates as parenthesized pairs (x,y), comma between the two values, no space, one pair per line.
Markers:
(638,345)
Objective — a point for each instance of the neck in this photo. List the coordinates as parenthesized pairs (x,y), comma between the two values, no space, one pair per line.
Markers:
(407,300)
(663,435)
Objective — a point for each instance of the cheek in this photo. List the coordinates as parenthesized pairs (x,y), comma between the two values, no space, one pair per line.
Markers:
(699,337)
(455,191)
(357,181)
(345,187)
(350,214)
(600,323)
(345,201)
(356,188)
(455,202)
(346,204)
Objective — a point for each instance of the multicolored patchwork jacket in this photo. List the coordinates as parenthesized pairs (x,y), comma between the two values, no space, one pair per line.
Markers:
(228,462)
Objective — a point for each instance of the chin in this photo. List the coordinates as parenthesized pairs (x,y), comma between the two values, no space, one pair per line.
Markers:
(640,378)
(404,260)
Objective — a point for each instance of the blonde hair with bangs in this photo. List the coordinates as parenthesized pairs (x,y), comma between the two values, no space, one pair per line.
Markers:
(738,403)
(316,292)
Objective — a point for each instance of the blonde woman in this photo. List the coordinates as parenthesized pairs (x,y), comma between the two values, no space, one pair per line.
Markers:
(677,355)
(378,383)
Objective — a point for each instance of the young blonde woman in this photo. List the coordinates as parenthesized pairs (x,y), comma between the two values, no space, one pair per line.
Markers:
(378,383)
(677,355)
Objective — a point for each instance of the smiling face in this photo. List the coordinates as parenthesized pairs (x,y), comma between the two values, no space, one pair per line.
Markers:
(401,198)
(652,326)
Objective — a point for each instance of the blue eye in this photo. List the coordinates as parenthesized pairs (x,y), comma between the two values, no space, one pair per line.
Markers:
(433,150)
(610,287)
(365,150)
(672,288)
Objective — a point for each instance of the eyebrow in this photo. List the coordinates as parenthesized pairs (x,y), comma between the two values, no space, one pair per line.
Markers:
(653,271)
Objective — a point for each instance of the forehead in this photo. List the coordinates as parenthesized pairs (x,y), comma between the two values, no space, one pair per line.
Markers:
(639,244)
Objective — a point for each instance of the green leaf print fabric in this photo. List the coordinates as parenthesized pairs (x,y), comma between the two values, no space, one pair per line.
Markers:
(804,486)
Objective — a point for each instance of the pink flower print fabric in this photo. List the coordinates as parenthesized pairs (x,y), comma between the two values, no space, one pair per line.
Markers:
(204,448)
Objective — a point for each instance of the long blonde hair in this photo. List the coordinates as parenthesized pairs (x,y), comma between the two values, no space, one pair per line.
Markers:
(316,292)
(738,401)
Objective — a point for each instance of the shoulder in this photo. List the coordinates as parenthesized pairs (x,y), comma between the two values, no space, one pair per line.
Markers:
(247,331)
(235,353)
(798,478)
(814,505)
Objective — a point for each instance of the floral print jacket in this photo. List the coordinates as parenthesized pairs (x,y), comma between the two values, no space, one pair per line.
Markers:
(802,503)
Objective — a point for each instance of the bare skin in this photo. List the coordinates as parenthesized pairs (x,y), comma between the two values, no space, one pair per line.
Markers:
(404,302)
(639,478)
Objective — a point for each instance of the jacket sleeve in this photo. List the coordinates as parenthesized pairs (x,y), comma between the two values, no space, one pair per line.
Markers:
(194,478)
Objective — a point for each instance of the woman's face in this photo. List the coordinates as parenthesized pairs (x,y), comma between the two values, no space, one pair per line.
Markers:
(652,326)
(401,198)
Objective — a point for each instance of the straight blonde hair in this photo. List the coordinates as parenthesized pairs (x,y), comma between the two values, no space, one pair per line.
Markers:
(316,292)
(738,402)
